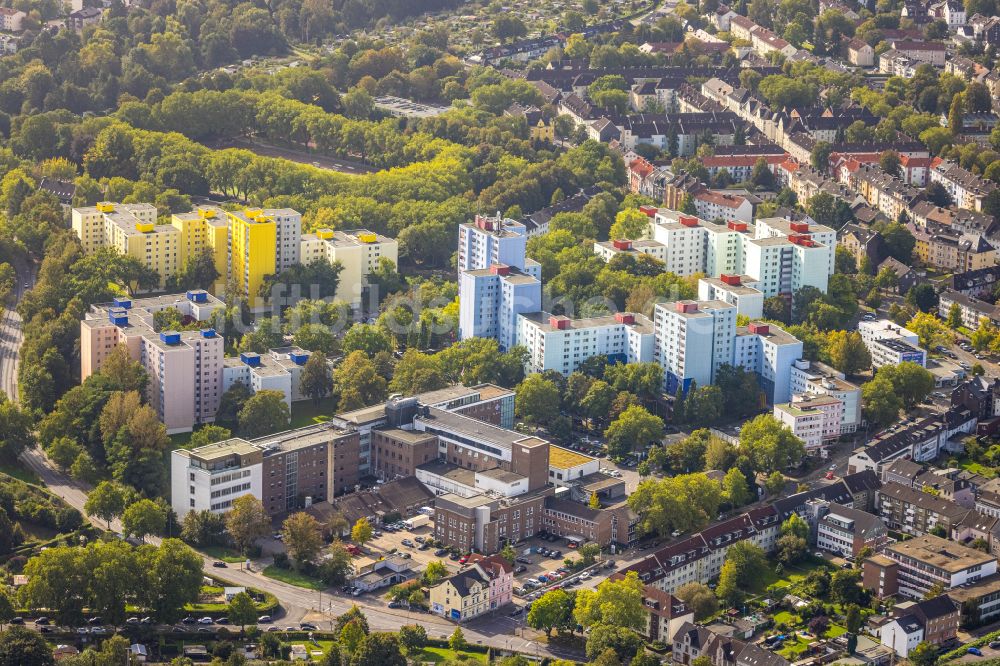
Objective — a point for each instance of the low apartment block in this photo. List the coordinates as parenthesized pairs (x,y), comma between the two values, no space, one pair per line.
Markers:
(914,511)
(812,378)
(286,471)
(933,621)
(813,419)
(846,531)
(911,568)
(891,344)
(557,342)
(921,441)
(482,587)
(131,230)
(359,252)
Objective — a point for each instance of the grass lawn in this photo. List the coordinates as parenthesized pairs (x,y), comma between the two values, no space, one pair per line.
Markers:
(17,471)
(437,655)
(792,650)
(294,578)
(306,412)
(786,618)
(792,575)
(180,440)
(976,468)
(222,553)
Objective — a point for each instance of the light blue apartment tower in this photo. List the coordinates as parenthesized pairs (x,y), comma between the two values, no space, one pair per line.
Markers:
(496,282)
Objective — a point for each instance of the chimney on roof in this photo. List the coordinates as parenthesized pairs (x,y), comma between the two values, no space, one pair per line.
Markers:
(731,280)
(560,322)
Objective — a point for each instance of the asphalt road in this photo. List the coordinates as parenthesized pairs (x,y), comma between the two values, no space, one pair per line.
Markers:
(263,149)
(497,630)
(10,331)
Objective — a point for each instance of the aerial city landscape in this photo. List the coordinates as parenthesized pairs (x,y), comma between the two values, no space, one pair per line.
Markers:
(528,333)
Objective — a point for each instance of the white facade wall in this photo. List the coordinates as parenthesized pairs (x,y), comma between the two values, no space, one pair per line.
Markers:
(192,488)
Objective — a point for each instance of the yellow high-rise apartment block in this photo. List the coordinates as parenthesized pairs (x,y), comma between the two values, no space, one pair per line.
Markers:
(205,228)
(132,230)
(246,245)
(253,250)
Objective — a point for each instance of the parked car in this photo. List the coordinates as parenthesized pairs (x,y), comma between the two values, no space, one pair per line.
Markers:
(395,604)
(556,554)
(994,644)
(222,620)
(975,651)
(205,620)
(146,620)
(219,564)
(16,620)
(188,620)
(42,620)
(264,619)
(94,620)
(519,560)
(407,543)
(440,552)
(306,626)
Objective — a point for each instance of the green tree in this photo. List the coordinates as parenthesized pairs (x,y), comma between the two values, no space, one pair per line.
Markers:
(618,603)
(620,642)
(929,329)
(209,434)
(316,380)
(106,501)
(357,382)
(795,526)
(735,489)
(303,538)
(412,637)
(770,445)
(553,610)
(246,521)
(378,649)
(924,654)
(367,339)
(457,640)
(845,586)
(143,518)
(819,157)
(775,483)
(635,427)
(630,223)
(881,404)
(351,635)
(264,413)
(847,352)
(911,382)
(699,598)
(361,533)
(242,611)
(336,566)
(20,646)
(537,400)
(955,316)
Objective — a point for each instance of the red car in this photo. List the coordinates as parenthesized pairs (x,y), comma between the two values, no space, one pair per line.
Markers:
(829,476)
